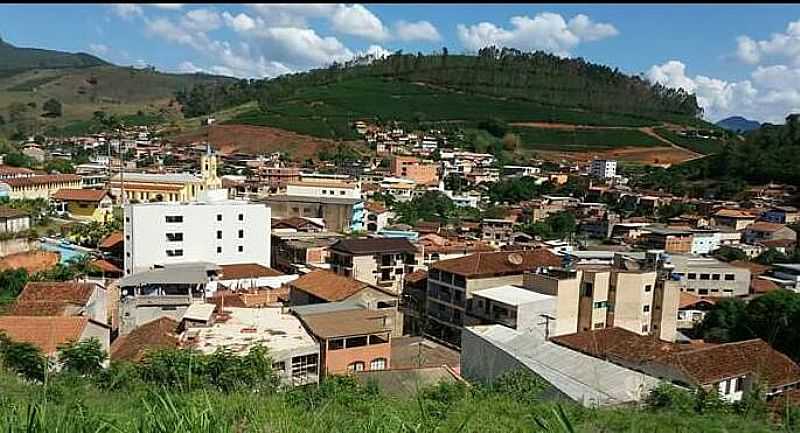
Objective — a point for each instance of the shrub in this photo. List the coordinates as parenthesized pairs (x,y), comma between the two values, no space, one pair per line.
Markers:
(23,358)
(82,357)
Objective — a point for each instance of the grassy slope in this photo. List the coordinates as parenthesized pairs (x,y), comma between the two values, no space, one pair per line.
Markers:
(701,145)
(78,407)
(583,139)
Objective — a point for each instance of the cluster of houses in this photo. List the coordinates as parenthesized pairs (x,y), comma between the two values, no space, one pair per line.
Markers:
(312,265)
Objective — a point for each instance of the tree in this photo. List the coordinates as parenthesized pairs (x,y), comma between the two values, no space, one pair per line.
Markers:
(62,166)
(23,358)
(725,322)
(82,357)
(494,126)
(730,254)
(52,108)
(12,281)
(771,256)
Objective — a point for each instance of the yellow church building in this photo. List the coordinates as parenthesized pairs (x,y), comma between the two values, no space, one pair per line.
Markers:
(181,187)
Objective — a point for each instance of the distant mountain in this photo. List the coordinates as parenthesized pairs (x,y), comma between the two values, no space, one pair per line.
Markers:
(738,124)
(20,59)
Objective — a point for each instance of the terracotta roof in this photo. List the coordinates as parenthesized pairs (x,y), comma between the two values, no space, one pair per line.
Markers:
(294,222)
(247,270)
(7,212)
(90,195)
(146,186)
(45,332)
(733,213)
(713,364)
(688,299)
(44,308)
(106,266)
(766,227)
(345,323)
(19,182)
(374,245)
(9,170)
(153,335)
(77,293)
(760,285)
(617,343)
(755,268)
(111,241)
(328,286)
(498,263)
(374,207)
(418,352)
(778,243)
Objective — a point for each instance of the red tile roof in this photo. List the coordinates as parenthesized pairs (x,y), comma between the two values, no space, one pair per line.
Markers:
(617,343)
(755,268)
(733,213)
(713,364)
(688,299)
(328,286)
(45,332)
(374,245)
(111,240)
(20,182)
(6,170)
(157,334)
(247,270)
(77,293)
(765,227)
(89,195)
(481,265)
(760,285)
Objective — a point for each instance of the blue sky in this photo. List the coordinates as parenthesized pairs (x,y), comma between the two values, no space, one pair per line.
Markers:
(738,59)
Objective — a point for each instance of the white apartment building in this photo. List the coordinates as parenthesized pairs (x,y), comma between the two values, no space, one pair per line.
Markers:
(223,232)
(604,168)
(324,188)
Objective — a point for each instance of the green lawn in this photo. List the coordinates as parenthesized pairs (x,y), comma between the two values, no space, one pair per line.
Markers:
(583,139)
(699,145)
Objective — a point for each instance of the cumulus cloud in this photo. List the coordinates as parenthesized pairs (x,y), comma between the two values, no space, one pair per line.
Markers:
(127,10)
(784,46)
(357,20)
(290,14)
(240,23)
(98,49)
(417,31)
(546,31)
(173,32)
(302,47)
(201,20)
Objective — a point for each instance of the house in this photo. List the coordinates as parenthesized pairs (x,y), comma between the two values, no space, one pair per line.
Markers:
(489,351)
(161,333)
(322,188)
(39,186)
(49,332)
(299,252)
(451,284)
(377,217)
(781,215)
(340,214)
(603,169)
(433,248)
(9,172)
(410,167)
(298,224)
(709,277)
(220,231)
(511,306)
(765,231)
(351,340)
(294,352)
(497,231)
(90,204)
(733,218)
(34,152)
(692,309)
(668,239)
(63,298)
(13,220)
(379,261)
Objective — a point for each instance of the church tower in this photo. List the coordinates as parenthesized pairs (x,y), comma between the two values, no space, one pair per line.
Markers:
(208,169)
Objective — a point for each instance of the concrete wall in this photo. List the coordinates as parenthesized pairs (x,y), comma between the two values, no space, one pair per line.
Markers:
(102,333)
(19,245)
(337,361)
(15,225)
(630,298)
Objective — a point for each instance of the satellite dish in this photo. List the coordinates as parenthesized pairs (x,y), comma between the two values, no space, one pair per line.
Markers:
(515,259)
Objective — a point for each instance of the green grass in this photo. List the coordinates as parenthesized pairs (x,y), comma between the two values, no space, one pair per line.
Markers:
(328,110)
(699,145)
(30,85)
(583,139)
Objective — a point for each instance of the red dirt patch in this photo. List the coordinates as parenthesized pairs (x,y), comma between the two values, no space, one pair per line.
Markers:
(661,156)
(256,140)
(32,261)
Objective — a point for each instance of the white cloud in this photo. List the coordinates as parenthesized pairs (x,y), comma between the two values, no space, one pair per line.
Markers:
(376,51)
(291,15)
(546,31)
(784,46)
(240,23)
(357,20)
(301,47)
(417,31)
(98,49)
(201,20)
(167,6)
(190,68)
(127,10)
(172,32)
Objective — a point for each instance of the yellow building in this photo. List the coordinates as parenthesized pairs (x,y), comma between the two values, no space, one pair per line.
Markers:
(33,187)
(86,204)
(146,187)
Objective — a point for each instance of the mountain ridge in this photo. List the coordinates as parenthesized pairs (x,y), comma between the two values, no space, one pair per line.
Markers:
(738,124)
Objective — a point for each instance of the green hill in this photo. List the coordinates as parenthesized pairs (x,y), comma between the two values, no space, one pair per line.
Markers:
(16,59)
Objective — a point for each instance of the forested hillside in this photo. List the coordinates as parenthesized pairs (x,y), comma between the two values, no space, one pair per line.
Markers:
(16,59)
(506,83)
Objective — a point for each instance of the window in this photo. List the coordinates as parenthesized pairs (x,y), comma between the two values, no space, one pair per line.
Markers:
(378,339)
(356,366)
(378,364)
(648,288)
(729,277)
(219,250)
(241,234)
(739,384)
(692,276)
(588,289)
(356,342)
(174,218)
(174,253)
(646,308)
(705,276)
(715,277)
(303,366)
(174,237)
(599,325)
(644,328)
(337,344)
(601,304)
(279,366)
(241,248)
(241,217)
(702,291)
(219,234)
(219,217)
